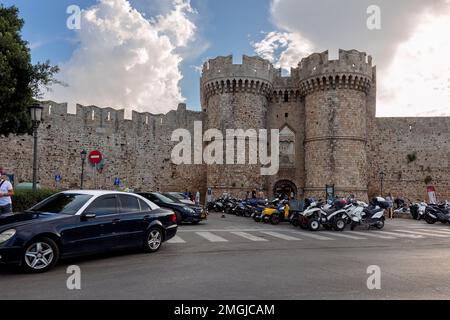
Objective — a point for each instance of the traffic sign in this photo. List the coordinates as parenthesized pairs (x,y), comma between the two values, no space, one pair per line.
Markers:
(117,182)
(95,157)
(58,178)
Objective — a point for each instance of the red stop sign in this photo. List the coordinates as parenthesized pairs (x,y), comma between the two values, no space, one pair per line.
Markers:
(95,157)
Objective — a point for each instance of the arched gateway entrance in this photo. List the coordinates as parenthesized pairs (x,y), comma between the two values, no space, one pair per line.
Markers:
(285,188)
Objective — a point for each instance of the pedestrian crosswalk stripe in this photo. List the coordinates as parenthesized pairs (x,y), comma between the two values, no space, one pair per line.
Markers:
(336,234)
(281,236)
(372,234)
(249,236)
(402,235)
(315,236)
(428,227)
(176,239)
(437,230)
(211,237)
(425,234)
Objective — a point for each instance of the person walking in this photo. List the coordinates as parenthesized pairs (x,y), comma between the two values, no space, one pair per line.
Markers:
(197,198)
(390,201)
(6,192)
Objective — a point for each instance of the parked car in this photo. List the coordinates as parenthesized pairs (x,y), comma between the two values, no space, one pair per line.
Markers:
(197,208)
(184,212)
(180,197)
(76,223)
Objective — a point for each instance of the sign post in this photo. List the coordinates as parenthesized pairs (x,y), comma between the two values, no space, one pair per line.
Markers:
(95,157)
(58,180)
(432,194)
(209,196)
(330,192)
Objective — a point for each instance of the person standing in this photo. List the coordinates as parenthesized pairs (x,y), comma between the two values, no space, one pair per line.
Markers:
(390,201)
(197,198)
(6,192)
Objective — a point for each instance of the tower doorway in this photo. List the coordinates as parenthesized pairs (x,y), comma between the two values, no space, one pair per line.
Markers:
(285,188)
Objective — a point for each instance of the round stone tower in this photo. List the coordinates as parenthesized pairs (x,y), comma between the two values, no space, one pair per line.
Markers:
(236,96)
(336,113)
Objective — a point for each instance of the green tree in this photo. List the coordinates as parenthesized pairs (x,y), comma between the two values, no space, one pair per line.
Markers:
(20,80)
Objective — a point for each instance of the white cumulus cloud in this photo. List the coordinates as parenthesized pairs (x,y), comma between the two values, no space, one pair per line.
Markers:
(411,50)
(283,49)
(124,60)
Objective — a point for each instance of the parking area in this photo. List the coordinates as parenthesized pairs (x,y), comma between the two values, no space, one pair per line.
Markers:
(236,258)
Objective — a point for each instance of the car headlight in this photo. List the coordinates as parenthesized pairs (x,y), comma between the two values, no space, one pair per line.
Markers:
(189,210)
(6,235)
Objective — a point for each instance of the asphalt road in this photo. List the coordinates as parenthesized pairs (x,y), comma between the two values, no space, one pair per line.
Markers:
(235,258)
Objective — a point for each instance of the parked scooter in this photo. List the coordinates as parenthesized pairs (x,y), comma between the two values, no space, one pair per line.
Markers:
(276,215)
(436,213)
(265,215)
(418,210)
(258,208)
(371,216)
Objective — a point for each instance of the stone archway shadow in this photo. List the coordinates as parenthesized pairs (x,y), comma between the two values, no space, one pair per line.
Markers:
(285,187)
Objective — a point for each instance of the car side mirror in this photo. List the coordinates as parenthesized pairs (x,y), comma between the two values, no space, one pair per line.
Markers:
(85,216)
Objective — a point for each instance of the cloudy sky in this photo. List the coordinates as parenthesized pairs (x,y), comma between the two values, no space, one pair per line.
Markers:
(145,54)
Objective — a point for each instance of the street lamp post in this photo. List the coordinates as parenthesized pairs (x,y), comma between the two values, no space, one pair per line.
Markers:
(83,160)
(36,117)
(382,175)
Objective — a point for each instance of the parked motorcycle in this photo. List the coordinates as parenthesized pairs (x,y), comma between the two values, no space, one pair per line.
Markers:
(371,216)
(277,215)
(418,210)
(436,213)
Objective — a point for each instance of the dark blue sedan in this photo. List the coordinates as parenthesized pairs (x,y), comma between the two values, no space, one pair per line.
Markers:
(76,223)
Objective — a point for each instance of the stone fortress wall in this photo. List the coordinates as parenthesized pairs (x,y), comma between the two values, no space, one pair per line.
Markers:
(325,111)
(137,151)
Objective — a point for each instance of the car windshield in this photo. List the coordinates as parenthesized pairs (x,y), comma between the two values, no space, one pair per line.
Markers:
(163,198)
(172,197)
(62,203)
(177,196)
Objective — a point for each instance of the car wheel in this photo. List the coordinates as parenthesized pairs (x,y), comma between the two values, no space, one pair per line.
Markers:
(153,240)
(40,256)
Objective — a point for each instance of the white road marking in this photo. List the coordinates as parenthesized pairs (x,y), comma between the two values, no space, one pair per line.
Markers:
(425,234)
(436,230)
(402,235)
(315,236)
(176,239)
(281,236)
(211,237)
(249,236)
(342,235)
(372,234)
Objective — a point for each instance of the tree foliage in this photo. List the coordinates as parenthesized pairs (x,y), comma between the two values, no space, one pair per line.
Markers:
(20,80)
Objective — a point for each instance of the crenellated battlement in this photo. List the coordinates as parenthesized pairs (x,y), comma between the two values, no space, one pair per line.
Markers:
(254,75)
(351,61)
(109,118)
(353,70)
(219,67)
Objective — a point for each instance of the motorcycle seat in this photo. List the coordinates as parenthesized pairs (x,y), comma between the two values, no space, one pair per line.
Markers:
(329,211)
(371,211)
